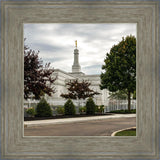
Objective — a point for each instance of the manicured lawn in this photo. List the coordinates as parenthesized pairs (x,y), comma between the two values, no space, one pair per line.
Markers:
(131,132)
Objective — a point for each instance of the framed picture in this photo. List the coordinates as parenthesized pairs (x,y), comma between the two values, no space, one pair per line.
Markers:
(76,63)
(15,144)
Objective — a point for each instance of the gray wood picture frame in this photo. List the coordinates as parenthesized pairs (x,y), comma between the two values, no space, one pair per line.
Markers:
(15,145)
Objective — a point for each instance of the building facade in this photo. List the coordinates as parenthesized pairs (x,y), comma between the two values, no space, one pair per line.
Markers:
(62,77)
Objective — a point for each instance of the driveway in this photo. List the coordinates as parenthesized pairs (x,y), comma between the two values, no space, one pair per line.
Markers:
(95,127)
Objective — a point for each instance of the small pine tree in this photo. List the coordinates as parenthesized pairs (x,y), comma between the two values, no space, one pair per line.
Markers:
(90,106)
(69,108)
(43,109)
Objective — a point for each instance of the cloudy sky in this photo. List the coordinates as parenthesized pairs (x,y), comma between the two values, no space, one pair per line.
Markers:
(56,43)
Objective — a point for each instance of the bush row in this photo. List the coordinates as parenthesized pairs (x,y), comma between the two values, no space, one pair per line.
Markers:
(43,109)
(69,108)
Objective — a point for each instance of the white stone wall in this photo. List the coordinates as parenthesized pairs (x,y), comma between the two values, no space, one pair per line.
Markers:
(63,77)
(102,98)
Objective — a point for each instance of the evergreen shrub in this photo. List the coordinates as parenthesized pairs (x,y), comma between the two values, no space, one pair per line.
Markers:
(69,108)
(90,107)
(43,109)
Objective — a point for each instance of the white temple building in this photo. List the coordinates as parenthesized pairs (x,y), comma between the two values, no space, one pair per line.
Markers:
(62,77)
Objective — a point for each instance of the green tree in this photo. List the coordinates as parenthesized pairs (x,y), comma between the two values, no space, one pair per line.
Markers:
(43,109)
(69,108)
(90,106)
(120,68)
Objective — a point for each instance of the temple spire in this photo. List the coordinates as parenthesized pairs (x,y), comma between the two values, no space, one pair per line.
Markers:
(76,67)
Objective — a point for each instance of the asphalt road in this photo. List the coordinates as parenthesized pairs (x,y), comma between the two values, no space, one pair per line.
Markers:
(103,127)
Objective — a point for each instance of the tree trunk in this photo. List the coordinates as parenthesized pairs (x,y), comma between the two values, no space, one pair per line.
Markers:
(129,101)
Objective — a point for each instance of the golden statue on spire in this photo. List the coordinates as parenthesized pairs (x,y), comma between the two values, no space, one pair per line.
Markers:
(76,43)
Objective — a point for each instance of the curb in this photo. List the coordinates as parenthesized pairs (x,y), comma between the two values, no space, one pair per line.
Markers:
(114,133)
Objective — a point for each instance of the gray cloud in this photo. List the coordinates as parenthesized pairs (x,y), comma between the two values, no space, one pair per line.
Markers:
(92,66)
(56,42)
(56,59)
(44,47)
(94,69)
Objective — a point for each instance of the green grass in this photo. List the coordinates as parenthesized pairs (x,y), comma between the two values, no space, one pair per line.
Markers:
(124,111)
(131,132)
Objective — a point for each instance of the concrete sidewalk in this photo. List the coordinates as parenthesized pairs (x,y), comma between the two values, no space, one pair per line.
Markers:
(72,120)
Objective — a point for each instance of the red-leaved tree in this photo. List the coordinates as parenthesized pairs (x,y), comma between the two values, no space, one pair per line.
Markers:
(79,90)
(38,79)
